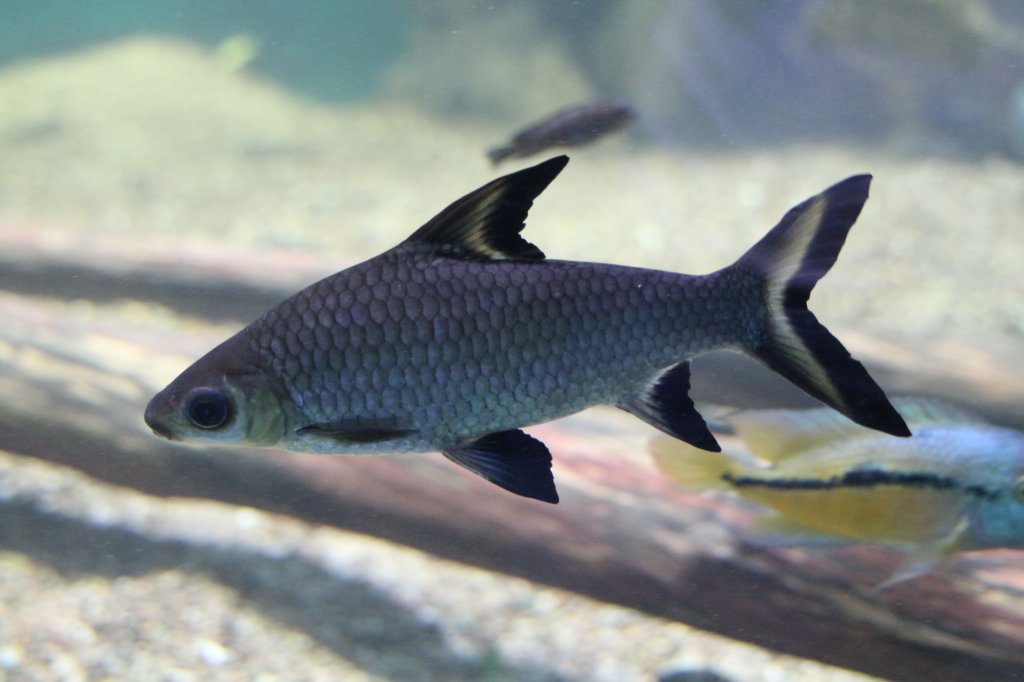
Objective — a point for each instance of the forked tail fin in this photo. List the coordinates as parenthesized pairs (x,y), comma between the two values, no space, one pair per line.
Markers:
(789,261)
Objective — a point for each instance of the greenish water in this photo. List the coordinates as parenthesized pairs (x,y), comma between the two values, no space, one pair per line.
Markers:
(335,51)
(169,170)
(938,77)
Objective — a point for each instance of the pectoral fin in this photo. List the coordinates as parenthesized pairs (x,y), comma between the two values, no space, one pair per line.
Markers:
(358,430)
(511,459)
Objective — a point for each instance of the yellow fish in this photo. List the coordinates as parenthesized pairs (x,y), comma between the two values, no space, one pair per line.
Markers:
(956,485)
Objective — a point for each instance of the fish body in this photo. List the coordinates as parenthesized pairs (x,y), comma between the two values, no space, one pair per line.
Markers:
(464,333)
(571,127)
(957,485)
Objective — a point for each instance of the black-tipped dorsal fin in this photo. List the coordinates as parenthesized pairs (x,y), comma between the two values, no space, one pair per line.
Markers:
(485,224)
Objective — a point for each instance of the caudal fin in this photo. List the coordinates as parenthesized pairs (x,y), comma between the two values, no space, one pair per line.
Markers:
(789,261)
(690,467)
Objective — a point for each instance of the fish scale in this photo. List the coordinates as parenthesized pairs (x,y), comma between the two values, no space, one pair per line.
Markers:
(502,330)
(464,333)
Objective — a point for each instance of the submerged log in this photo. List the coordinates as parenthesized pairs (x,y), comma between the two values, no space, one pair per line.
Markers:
(76,376)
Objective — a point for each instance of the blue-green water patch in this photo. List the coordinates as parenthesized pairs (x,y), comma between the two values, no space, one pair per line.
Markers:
(334,51)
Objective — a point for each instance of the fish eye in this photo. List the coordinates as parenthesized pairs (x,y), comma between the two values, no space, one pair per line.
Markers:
(207,409)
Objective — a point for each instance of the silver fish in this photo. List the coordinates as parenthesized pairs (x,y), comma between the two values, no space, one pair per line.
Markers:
(571,127)
(464,332)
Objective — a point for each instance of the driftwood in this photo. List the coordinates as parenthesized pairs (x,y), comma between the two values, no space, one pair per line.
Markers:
(75,378)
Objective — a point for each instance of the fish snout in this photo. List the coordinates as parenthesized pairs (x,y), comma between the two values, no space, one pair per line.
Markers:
(153,421)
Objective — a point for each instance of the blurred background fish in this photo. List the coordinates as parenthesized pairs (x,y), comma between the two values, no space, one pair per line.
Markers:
(956,485)
(571,127)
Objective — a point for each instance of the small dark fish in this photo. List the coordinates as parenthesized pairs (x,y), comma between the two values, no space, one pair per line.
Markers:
(464,333)
(571,127)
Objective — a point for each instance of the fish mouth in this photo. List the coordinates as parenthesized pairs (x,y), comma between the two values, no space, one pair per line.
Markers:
(156,425)
(160,431)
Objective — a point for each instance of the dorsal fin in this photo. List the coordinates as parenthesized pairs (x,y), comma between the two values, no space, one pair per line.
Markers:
(931,410)
(485,224)
(774,435)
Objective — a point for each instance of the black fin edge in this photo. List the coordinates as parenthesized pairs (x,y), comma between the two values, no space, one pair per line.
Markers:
(667,406)
(512,460)
(485,224)
(796,345)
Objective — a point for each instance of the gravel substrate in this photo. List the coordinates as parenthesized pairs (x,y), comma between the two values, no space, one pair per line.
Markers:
(103,583)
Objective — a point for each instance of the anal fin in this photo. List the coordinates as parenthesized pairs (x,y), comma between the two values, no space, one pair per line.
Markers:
(666,405)
(512,460)
(930,557)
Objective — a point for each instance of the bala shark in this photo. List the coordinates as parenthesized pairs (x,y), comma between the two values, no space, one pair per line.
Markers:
(464,332)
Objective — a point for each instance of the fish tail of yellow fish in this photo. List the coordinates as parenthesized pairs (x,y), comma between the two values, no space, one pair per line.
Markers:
(690,467)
